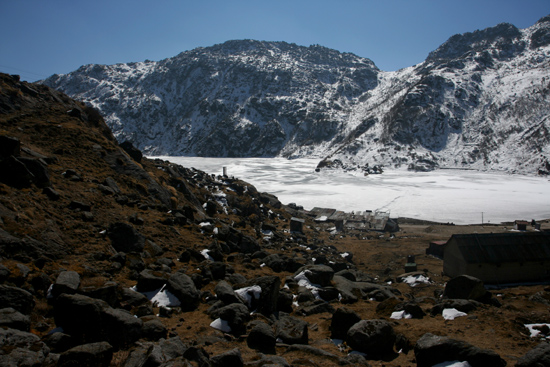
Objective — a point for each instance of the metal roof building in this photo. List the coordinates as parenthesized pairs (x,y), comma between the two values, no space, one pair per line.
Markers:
(499,257)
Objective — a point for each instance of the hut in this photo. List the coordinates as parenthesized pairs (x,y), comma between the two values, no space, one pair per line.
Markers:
(435,248)
(521,225)
(499,257)
(297,225)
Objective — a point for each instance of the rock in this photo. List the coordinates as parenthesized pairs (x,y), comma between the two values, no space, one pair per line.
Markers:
(465,287)
(132,298)
(20,348)
(376,338)
(218,269)
(270,285)
(285,300)
(150,280)
(292,330)
(79,205)
(109,292)
(153,329)
(132,151)
(342,320)
(536,357)
(184,289)
(319,306)
(14,173)
(231,358)
(411,308)
(87,355)
(39,171)
(262,338)
(224,292)
(13,319)
(432,349)
(66,282)
(275,262)
(58,342)
(51,193)
(236,315)
(124,237)
(317,274)
(9,146)
(172,348)
(269,361)
(91,320)
(16,298)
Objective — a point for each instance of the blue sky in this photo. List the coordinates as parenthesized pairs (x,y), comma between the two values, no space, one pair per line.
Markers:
(45,37)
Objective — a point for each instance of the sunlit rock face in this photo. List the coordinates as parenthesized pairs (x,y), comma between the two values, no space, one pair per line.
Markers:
(478,101)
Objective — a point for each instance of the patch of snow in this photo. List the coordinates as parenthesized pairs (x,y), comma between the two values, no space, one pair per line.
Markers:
(249,293)
(534,332)
(453,364)
(452,313)
(398,315)
(206,255)
(414,280)
(221,325)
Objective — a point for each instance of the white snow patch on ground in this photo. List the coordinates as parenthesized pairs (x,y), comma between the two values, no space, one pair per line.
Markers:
(453,364)
(452,313)
(534,332)
(206,255)
(303,281)
(221,325)
(414,280)
(249,293)
(161,297)
(398,315)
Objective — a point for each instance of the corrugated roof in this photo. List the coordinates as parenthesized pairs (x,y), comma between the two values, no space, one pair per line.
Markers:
(503,247)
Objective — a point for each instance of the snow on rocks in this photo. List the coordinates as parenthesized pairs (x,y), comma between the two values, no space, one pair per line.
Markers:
(452,313)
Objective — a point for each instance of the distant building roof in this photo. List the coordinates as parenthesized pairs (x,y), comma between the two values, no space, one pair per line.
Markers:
(503,247)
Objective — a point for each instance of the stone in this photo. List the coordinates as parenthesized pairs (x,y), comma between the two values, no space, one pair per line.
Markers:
(9,146)
(20,348)
(124,237)
(317,274)
(87,355)
(184,289)
(13,319)
(236,315)
(270,285)
(231,358)
(154,330)
(292,330)
(224,292)
(66,282)
(465,287)
(376,338)
(90,320)
(262,338)
(16,298)
(150,280)
(58,342)
(39,171)
(462,305)
(132,151)
(14,173)
(342,320)
(432,349)
(536,357)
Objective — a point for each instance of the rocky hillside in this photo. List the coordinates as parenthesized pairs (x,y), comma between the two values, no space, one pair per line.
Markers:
(111,259)
(478,101)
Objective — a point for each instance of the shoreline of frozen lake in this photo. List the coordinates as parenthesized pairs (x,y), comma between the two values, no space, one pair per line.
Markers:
(456,196)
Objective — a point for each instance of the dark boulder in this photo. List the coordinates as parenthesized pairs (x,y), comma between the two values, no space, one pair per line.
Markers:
(20,348)
(66,282)
(432,349)
(124,237)
(91,320)
(465,287)
(236,315)
(14,173)
(317,274)
(39,171)
(376,338)
(536,357)
(224,292)
(16,298)
(150,280)
(87,355)
(342,320)
(58,342)
(462,305)
(153,329)
(132,151)
(13,319)
(9,146)
(262,338)
(182,286)
(292,330)
(270,285)
(231,358)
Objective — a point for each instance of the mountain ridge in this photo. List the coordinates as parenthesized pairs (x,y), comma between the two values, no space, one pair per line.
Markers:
(474,99)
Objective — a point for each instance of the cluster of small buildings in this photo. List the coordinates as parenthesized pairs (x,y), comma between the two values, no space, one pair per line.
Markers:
(363,220)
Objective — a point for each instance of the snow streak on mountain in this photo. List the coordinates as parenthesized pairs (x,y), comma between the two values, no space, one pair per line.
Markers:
(481,101)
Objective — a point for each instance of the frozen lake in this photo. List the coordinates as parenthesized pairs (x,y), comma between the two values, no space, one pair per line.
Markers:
(461,197)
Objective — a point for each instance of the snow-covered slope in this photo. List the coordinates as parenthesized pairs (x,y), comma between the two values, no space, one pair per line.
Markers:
(478,101)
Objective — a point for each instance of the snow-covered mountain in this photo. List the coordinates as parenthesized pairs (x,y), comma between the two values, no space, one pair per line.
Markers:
(481,101)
